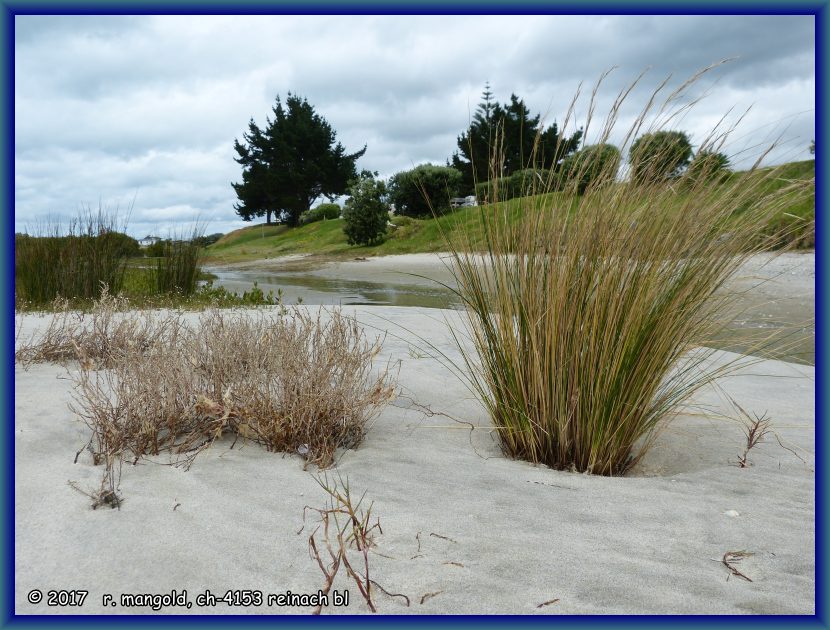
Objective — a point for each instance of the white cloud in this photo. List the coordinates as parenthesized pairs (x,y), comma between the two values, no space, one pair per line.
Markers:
(118,108)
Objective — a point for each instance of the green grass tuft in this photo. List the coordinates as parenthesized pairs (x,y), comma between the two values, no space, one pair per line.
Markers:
(588,314)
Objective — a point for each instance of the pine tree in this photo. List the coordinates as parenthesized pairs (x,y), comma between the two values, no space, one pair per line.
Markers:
(501,140)
(291,163)
(475,144)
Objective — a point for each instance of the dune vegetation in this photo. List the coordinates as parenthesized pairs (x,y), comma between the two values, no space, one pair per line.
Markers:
(588,311)
(151,383)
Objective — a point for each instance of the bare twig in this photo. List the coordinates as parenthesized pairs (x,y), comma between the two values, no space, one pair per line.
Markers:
(552,485)
(427,596)
(730,558)
(406,599)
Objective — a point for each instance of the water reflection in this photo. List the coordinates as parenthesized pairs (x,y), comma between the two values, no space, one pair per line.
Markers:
(313,289)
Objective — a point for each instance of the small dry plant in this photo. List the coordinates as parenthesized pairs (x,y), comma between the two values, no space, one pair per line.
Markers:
(109,331)
(344,527)
(755,429)
(294,383)
(107,493)
(589,302)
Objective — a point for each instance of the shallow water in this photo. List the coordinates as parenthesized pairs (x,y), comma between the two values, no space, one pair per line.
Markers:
(756,318)
(313,289)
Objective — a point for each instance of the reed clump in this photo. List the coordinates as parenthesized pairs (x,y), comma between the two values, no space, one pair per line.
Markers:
(177,269)
(91,256)
(74,261)
(587,319)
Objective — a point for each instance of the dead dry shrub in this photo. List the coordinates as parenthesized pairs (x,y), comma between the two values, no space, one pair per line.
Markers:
(755,429)
(109,331)
(292,382)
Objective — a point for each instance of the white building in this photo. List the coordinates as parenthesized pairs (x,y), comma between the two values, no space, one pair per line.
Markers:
(148,240)
(463,202)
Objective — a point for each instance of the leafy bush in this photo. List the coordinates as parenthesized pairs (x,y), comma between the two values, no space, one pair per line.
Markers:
(659,155)
(709,165)
(321,212)
(122,244)
(210,239)
(366,213)
(425,190)
(527,181)
(496,189)
(591,166)
(157,249)
(519,184)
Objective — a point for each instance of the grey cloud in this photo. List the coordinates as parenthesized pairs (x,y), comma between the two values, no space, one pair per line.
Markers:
(111,107)
(55,28)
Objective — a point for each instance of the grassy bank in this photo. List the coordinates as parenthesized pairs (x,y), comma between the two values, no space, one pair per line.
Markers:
(424,235)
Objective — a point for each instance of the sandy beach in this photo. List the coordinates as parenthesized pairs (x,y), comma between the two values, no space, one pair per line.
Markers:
(465,530)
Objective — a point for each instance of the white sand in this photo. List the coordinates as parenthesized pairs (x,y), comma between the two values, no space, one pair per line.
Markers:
(521,535)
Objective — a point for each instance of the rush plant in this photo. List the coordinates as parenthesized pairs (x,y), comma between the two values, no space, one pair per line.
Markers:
(587,319)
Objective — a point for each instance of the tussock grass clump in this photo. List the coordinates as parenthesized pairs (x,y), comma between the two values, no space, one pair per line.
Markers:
(74,262)
(583,315)
(292,382)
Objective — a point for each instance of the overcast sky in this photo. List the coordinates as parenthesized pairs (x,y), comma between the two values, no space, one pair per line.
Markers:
(143,111)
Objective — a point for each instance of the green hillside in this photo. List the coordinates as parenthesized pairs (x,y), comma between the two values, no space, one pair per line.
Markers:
(410,235)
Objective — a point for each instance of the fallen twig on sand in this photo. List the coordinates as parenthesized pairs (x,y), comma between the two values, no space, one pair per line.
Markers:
(391,594)
(552,485)
(730,558)
(548,603)
(105,495)
(427,596)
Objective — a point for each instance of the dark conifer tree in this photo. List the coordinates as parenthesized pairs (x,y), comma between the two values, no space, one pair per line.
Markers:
(507,133)
(291,163)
